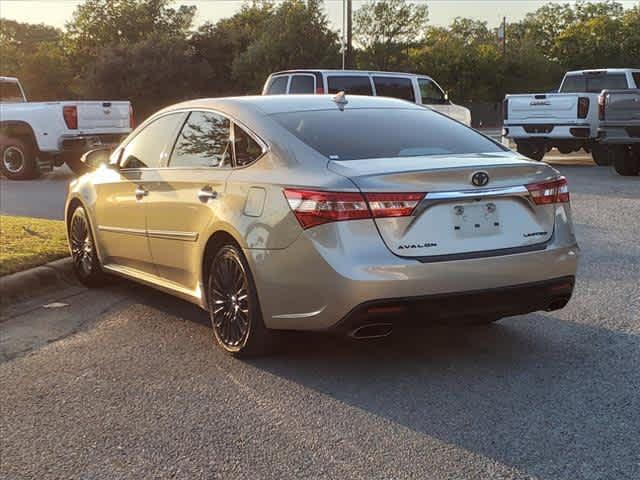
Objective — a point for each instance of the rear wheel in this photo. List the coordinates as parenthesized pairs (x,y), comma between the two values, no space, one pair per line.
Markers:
(624,162)
(234,309)
(18,160)
(601,155)
(532,150)
(83,252)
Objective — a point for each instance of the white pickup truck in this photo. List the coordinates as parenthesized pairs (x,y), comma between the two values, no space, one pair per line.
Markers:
(36,136)
(567,120)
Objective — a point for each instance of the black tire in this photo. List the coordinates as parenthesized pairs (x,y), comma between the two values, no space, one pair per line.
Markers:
(601,155)
(86,264)
(624,162)
(18,160)
(234,308)
(532,150)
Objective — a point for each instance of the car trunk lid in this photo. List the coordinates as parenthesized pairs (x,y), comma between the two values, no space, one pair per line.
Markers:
(455,217)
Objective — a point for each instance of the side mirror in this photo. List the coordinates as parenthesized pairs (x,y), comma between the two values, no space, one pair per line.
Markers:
(93,159)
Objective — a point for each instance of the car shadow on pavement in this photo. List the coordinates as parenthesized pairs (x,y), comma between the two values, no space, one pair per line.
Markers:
(552,398)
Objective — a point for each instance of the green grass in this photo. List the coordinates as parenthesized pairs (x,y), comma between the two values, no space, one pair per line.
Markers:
(27,242)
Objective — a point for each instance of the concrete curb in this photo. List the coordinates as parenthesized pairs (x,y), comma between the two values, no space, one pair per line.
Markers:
(16,286)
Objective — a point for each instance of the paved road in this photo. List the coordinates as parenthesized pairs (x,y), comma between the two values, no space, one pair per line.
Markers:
(124,383)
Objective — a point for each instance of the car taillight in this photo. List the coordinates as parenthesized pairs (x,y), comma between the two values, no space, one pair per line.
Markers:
(320,91)
(546,193)
(70,115)
(313,208)
(505,109)
(132,118)
(583,107)
(601,105)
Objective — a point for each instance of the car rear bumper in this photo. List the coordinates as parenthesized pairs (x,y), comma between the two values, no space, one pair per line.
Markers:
(333,269)
(83,143)
(549,132)
(619,135)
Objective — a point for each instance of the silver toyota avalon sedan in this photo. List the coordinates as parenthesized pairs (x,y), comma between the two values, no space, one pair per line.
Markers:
(327,213)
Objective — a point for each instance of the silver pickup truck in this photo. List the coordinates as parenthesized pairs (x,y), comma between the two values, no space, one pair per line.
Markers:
(619,128)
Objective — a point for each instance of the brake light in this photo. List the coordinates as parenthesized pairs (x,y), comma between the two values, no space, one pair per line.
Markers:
(601,104)
(132,118)
(583,107)
(546,193)
(313,208)
(70,115)
(320,91)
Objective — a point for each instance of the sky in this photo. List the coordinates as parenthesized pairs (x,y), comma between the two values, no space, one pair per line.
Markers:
(441,12)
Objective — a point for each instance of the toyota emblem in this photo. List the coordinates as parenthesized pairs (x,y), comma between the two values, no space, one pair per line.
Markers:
(480,179)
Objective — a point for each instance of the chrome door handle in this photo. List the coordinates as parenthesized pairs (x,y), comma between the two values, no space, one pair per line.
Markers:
(141,192)
(207,194)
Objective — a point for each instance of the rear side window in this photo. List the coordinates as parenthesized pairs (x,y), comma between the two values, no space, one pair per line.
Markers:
(384,133)
(10,93)
(594,83)
(355,85)
(394,87)
(302,84)
(246,149)
(636,78)
(278,85)
(203,142)
(146,148)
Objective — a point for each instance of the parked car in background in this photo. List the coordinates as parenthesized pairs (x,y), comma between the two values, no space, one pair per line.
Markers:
(567,120)
(36,136)
(312,212)
(619,129)
(419,89)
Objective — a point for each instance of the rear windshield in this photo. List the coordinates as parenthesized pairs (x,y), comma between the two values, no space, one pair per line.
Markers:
(379,133)
(593,83)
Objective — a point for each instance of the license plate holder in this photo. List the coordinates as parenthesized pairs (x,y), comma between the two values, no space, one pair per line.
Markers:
(476,219)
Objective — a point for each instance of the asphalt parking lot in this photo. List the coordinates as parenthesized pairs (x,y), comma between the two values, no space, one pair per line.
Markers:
(124,382)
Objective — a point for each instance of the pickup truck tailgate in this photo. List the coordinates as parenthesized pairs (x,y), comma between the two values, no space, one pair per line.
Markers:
(623,106)
(547,107)
(101,115)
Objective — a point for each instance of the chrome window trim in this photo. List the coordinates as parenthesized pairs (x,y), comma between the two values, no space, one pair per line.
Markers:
(163,234)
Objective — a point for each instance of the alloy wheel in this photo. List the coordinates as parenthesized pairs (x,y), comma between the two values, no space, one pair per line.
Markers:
(229,300)
(13,159)
(81,244)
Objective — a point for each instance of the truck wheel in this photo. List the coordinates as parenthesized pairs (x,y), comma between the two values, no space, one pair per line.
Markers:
(18,160)
(532,150)
(601,155)
(624,162)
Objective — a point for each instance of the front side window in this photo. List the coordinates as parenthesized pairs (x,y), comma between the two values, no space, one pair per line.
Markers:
(246,149)
(594,82)
(430,92)
(146,148)
(355,85)
(365,133)
(302,84)
(203,142)
(394,87)
(278,85)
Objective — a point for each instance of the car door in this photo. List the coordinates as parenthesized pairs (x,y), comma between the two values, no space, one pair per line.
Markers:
(187,196)
(122,196)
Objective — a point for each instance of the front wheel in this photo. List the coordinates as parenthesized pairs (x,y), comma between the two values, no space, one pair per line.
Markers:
(86,264)
(233,304)
(18,160)
(624,162)
(533,151)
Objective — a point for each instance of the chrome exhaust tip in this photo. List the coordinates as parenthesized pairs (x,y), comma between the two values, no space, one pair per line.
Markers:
(371,330)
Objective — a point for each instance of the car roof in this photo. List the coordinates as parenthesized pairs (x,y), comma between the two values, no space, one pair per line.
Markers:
(608,70)
(349,72)
(9,79)
(271,104)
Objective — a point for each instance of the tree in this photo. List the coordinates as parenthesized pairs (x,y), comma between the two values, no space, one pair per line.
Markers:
(98,24)
(385,29)
(296,35)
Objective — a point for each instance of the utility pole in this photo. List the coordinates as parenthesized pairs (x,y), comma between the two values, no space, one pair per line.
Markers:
(349,46)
